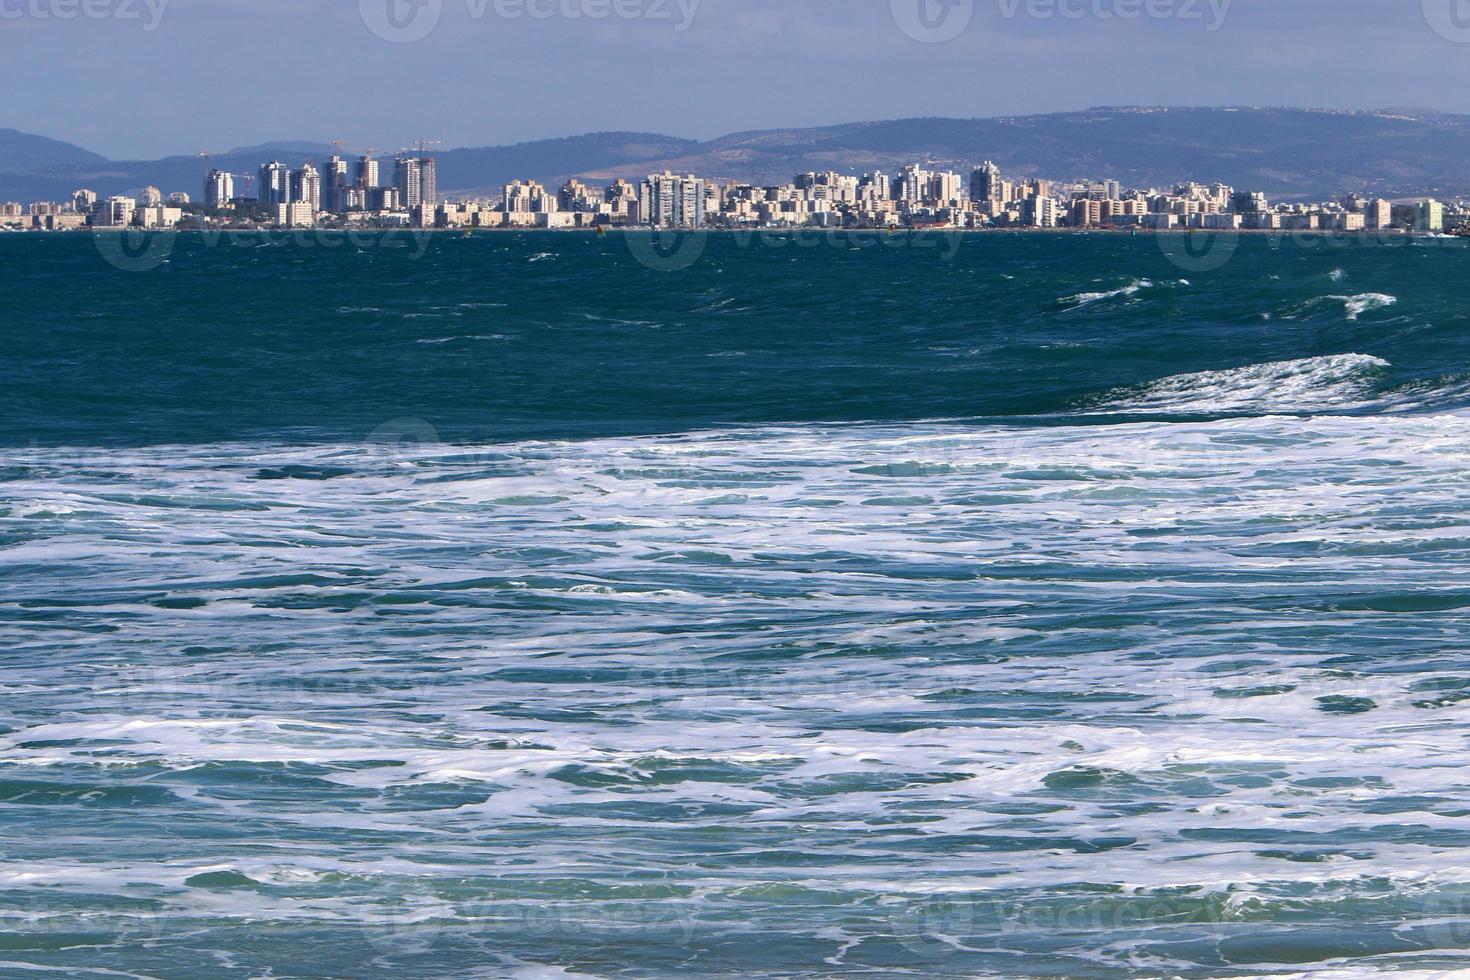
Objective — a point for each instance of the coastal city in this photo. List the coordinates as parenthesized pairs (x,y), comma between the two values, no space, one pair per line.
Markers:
(368,192)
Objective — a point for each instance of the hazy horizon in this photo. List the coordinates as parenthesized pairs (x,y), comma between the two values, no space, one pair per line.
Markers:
(139,79)
(350,147)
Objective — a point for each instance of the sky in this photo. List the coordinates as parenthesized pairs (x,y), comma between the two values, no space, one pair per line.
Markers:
(150,78)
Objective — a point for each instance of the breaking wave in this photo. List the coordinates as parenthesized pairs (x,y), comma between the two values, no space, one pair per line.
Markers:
(1337,381)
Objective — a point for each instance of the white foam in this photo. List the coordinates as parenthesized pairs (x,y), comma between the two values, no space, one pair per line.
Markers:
(1083,299)
(869,639)
(1335,381)
(1362,303)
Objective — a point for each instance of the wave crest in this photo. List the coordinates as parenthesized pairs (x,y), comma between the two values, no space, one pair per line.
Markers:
(1082,299)
(1336,381)
(1365,302)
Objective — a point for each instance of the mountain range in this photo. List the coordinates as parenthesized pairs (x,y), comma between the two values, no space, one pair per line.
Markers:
(1290,154)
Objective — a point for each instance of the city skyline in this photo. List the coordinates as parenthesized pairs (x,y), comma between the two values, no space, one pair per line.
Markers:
(348,193)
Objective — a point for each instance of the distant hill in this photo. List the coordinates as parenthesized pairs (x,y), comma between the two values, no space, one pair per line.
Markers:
(1289,153)
(619,154)
(23,153)
(284,149)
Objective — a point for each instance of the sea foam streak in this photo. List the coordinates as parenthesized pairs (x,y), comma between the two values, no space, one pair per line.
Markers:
(1068,683)
(1365,302)
(1309,384)
(1083,299)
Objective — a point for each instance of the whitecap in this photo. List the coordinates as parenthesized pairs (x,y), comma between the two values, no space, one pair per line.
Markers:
(1082,299)
(1365,302)
(1307,384)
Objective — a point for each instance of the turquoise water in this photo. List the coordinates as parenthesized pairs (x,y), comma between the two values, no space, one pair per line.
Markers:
(1014,606)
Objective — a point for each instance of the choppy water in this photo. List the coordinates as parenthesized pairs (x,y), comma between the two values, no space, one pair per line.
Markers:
(997,606)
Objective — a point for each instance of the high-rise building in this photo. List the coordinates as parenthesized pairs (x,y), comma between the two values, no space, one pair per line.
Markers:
(178,198)
(83,200)
(150,197)
(670,201)
(622,200)
(526,197)
(1087,212)
(299,214)
(383,199)
(366,174)
(985,183)
(1039,212)
(429,182)
(1431,216)
(116,212)
(875,186)
(408,178)
(911,185)
(306,186)
(576,196)
(275,184)
(1248,202)
(1379,214)
(944,188)
(334,184)
(417,181)
(219,189)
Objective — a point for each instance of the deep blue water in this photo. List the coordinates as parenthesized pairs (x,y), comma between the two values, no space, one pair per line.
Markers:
(838,605)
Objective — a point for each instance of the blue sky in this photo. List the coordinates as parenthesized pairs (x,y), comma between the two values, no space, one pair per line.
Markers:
(142,78)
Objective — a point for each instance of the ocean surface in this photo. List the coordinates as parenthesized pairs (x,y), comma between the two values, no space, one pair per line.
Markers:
(553,605)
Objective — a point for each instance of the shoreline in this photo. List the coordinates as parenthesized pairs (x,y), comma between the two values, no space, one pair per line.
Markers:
(643,230)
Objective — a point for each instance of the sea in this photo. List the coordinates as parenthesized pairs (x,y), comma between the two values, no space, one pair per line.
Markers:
(769,604)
